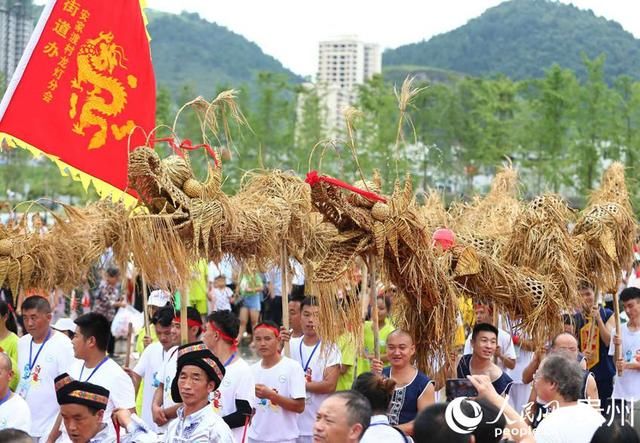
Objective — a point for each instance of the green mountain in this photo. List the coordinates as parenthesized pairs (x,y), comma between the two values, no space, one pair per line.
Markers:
(187,49)
(521,38)
(396,74)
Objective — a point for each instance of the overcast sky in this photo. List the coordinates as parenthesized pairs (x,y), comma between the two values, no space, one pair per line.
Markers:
(290,30)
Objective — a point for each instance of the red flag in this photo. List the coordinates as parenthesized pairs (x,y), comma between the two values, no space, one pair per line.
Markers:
(84,83)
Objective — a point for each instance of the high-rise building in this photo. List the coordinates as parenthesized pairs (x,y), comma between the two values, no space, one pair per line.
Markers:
(16,26)
(343,64)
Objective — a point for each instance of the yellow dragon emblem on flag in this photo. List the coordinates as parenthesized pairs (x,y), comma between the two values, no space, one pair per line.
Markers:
(105,95)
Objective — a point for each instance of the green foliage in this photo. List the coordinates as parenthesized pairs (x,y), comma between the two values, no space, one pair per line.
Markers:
(186,46)
(310,129)
(376,132)
(521,38)
(559,122)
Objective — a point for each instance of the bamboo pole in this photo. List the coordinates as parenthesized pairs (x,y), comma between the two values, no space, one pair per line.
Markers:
(594,324)
(374,307)
(364,295)
(145,306)
(127,358)
(617,352)
(494,322)
(285,291)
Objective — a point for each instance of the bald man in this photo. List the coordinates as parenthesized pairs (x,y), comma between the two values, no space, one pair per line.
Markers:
(565,344)
(14,411)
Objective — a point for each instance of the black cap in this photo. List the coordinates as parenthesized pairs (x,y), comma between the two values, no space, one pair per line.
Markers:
(70,391)
(197,354)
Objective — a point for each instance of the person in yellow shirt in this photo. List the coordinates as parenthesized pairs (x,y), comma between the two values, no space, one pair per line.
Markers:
(385,326)
(347,345)
(9,339)
(466,320)
(198,288)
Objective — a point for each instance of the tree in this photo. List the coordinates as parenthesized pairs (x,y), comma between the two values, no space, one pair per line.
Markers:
(434,119)
(272,118)
(626,121)
(593,114)
(552,123)
(310,128)
(376,135)
(164,111)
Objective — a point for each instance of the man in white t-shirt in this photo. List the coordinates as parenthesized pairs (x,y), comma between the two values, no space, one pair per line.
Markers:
(234,399)
(93,365)
(280,389)
(152,360)
(520,391)
(43,354)
(14,411)
(320,363)
(627,385)
(164,409)
(558,383)
(505,352)
(297,278)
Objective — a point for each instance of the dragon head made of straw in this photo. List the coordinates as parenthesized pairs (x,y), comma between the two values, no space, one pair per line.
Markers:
(392,232)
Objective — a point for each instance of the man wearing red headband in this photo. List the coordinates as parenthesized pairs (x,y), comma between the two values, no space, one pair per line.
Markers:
(280,388)
(233,400)
(163,408)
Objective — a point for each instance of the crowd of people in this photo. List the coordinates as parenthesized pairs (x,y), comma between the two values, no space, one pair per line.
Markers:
(59,380)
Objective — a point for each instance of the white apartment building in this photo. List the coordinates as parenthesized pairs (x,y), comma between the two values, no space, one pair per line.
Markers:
(16,26)
(344,63)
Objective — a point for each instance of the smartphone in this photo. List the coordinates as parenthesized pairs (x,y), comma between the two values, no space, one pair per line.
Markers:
(459,387)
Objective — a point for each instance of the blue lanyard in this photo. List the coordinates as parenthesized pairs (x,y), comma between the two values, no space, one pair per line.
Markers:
(6,397)
(306,365)
(32,364)
(229,360)
(94,369)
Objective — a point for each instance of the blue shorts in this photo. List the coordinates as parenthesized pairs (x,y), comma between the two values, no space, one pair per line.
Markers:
(252,302)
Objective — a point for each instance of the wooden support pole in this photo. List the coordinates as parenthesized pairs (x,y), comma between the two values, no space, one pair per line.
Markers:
(374,307)
(617,351)
(285,290)
(145,306)
(364,286)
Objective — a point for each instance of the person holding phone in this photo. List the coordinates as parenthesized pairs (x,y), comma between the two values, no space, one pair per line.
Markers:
(414,390)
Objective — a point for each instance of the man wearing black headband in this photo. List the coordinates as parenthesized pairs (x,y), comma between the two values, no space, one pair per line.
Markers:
(82,407)
(198,374)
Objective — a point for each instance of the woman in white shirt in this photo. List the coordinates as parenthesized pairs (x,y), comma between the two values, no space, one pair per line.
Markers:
(379,392)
